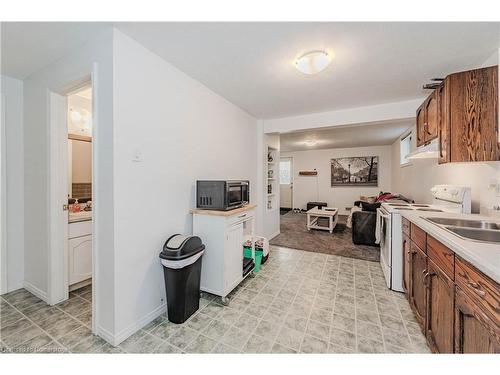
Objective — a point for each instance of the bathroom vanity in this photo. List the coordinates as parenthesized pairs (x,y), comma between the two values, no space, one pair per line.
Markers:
(79,247)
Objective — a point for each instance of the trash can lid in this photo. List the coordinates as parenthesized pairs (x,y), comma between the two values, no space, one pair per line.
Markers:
(179,247)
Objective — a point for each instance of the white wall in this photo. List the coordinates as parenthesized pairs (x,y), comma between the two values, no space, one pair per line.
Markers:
(56,77)
(415,180)
(12,90)
(182,132)
(309,188)
(350,116)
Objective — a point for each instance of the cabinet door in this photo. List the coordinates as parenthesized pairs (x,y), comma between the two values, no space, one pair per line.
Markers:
(418,267)
(474,331)
(406,263)
(432,117)
(440,309)
(474,115)
(79,259)
(233,270)
(420,120)
(444,122)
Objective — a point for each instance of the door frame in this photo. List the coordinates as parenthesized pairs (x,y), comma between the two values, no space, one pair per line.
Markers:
(291,178)
(57,272)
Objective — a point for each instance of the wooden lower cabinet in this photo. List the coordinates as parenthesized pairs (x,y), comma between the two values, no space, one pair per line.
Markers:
(475,332)
(439,326)
(406,262)
(417,297)
(455,304)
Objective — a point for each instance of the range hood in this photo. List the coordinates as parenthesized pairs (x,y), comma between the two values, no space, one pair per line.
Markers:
(427,151)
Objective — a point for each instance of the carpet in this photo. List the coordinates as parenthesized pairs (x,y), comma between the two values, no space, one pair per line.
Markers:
(294,234)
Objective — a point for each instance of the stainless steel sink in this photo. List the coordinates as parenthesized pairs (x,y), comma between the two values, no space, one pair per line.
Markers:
(464,223)
(483,235)
(475,230)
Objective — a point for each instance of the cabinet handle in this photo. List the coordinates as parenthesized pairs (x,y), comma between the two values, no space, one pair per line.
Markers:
(426,278)
(242,216)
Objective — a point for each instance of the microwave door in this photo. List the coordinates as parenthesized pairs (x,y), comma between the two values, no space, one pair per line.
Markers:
(234,195)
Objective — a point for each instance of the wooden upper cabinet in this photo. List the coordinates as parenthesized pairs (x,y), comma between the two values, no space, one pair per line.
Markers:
(439,327)
(444,122)
(432,117)
(475,332)
(473,106)
(463,114)
(421,125)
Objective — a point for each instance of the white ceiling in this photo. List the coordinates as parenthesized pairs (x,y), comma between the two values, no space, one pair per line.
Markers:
(30,46)
(251,64)
(372,134)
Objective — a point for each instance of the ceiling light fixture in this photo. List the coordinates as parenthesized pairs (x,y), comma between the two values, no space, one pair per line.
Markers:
(313,62)
(311,142)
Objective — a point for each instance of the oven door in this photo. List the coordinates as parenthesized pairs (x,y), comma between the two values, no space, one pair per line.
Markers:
(385,243)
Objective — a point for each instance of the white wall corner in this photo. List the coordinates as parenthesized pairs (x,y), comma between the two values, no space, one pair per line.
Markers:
(36,291)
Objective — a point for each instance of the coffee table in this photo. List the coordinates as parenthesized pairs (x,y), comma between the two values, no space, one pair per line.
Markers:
(314,214)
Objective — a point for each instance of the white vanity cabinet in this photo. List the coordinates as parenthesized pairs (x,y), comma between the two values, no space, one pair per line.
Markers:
(223,234)
(79,252)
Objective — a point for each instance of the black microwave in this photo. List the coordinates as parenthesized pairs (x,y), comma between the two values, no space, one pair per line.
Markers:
(222,195)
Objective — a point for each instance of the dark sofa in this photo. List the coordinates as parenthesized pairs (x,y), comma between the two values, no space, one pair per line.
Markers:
(363,227)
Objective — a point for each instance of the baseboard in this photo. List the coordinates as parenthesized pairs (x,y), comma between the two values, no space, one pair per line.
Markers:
(11,288)
(133,328)
(106,335)
(36,291)
(273,235)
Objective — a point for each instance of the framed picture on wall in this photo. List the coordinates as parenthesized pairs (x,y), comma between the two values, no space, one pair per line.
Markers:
(355,171)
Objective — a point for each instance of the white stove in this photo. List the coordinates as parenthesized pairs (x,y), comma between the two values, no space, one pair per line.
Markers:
(446,198)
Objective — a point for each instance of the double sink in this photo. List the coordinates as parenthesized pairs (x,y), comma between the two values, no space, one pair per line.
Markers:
(476,230)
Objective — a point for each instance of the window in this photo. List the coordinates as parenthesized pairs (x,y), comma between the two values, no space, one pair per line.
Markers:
(404,149)
(285,172)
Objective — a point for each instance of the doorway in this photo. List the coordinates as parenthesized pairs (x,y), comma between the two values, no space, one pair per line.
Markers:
(72,189)
(286,184)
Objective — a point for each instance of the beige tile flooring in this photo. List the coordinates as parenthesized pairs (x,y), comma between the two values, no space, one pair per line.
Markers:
(300,302)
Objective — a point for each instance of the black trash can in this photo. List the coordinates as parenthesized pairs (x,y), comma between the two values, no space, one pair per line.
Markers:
(181,260)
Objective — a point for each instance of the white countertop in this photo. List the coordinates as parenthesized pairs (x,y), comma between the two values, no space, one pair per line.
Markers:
(74,217)
(484,256)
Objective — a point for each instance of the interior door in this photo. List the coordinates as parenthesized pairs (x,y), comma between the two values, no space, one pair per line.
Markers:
(58,214)
(286,182)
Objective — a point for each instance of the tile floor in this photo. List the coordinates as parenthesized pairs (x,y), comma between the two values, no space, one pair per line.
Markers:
(300,302)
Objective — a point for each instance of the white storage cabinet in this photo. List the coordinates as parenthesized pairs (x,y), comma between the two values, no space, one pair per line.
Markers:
(223,234)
